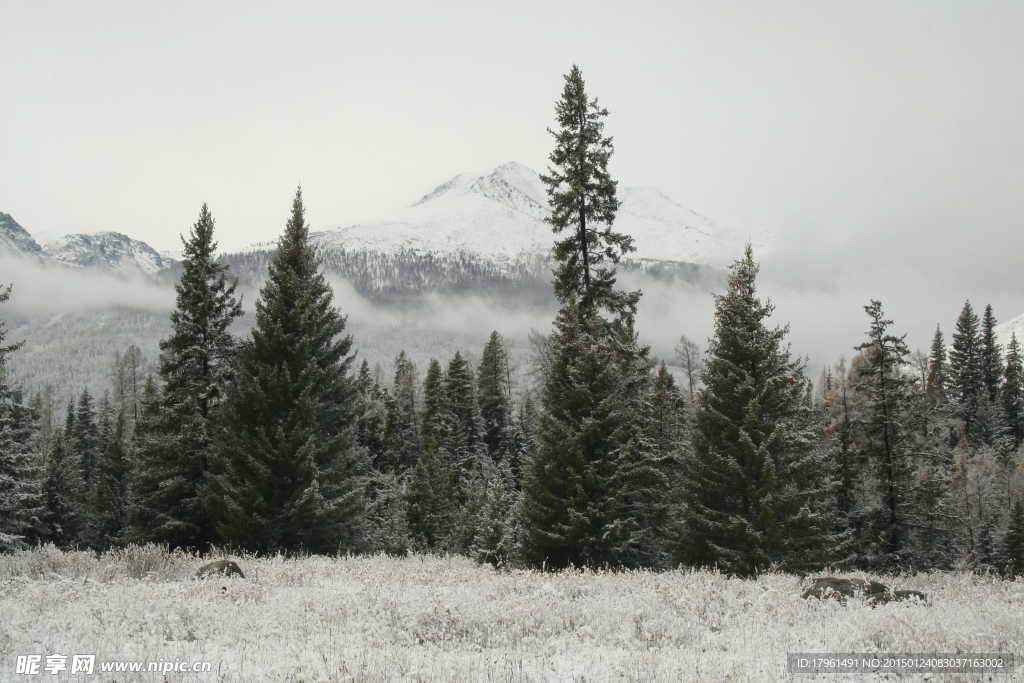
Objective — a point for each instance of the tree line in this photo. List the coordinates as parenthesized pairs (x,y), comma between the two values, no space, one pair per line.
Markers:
(275,442)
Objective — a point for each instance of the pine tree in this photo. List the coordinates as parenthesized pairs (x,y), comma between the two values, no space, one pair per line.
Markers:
(62,496)
(488,530)
(432,500)
(462,431)
(1012,395)
(887,392)
(840,428)
(176,448)
(991,355)
(931,411)
(756,491)
(668,413)
(494,394)
(403,432)
(432,400)
(1014,543)
(84,435)
(371,417)
(937,386)
(582,198)
(114,475)
(580,490)
(289,474)
(20,475)
(593,482)
(967,371)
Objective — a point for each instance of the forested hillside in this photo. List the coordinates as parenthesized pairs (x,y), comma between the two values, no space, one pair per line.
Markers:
(344,408)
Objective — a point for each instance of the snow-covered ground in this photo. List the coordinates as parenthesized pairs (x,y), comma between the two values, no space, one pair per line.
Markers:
(449,619)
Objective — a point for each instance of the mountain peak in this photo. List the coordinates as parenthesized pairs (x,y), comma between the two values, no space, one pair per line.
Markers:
(16,239)
(513,184)
(111,251)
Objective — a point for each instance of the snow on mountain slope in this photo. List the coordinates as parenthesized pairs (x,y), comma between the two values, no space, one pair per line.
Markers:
(15,240)
(1011,327)
(110,251)
(499,216)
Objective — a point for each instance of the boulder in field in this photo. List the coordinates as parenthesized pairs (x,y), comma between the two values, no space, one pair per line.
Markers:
(220,568)
(872,591)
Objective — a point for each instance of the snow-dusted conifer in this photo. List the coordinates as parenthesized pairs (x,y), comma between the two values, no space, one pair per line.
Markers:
(494,390)
(114,474)
(591,483)
(1014,542)
(582,197)
(757,491)
(937,387)
(462,431)
(84,436)
(403,433)
(967,372)
(62,495)
(887,393)
(175,445)
(432,400)
(579,496)
(1012,394)
(432,496)
(991,355)
(289,473)
(20,474)
(371,417)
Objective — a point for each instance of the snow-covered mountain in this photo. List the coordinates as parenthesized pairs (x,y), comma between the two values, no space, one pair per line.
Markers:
(15,240)
(108,251)
(498,217)
(1011,327)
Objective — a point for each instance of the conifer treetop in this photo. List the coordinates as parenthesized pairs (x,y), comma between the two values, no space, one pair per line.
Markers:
(582,197)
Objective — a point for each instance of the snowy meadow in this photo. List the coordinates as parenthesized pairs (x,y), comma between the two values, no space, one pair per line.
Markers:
(431,618)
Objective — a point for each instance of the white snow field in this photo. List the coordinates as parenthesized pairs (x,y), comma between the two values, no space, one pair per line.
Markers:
(425,618)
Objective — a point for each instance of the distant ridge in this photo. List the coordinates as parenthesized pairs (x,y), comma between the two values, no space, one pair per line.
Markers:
(498,217)
(104,251)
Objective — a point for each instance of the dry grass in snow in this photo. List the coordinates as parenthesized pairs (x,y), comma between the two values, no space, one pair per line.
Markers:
(448,619)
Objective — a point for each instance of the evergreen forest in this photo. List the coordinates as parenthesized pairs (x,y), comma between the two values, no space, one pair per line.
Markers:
(278,441)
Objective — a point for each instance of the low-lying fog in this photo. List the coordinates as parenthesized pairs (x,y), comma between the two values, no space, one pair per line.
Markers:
(73,321)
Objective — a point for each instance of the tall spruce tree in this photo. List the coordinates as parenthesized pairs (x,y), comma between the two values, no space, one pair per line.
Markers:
(589,487)
(757,492)
(1012,395)
(582,197)
(967,372)
(289,474)
(84,435)
(462,430)
(62,496)
(371,417)
(991,355)
(176,447)
(20,473)
(887,393)
(938,371)
(495,396)
(432,400)
(593,481)
(403,434)
(1014,542)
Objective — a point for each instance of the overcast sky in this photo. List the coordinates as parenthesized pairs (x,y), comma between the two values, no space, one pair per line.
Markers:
(883,142)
